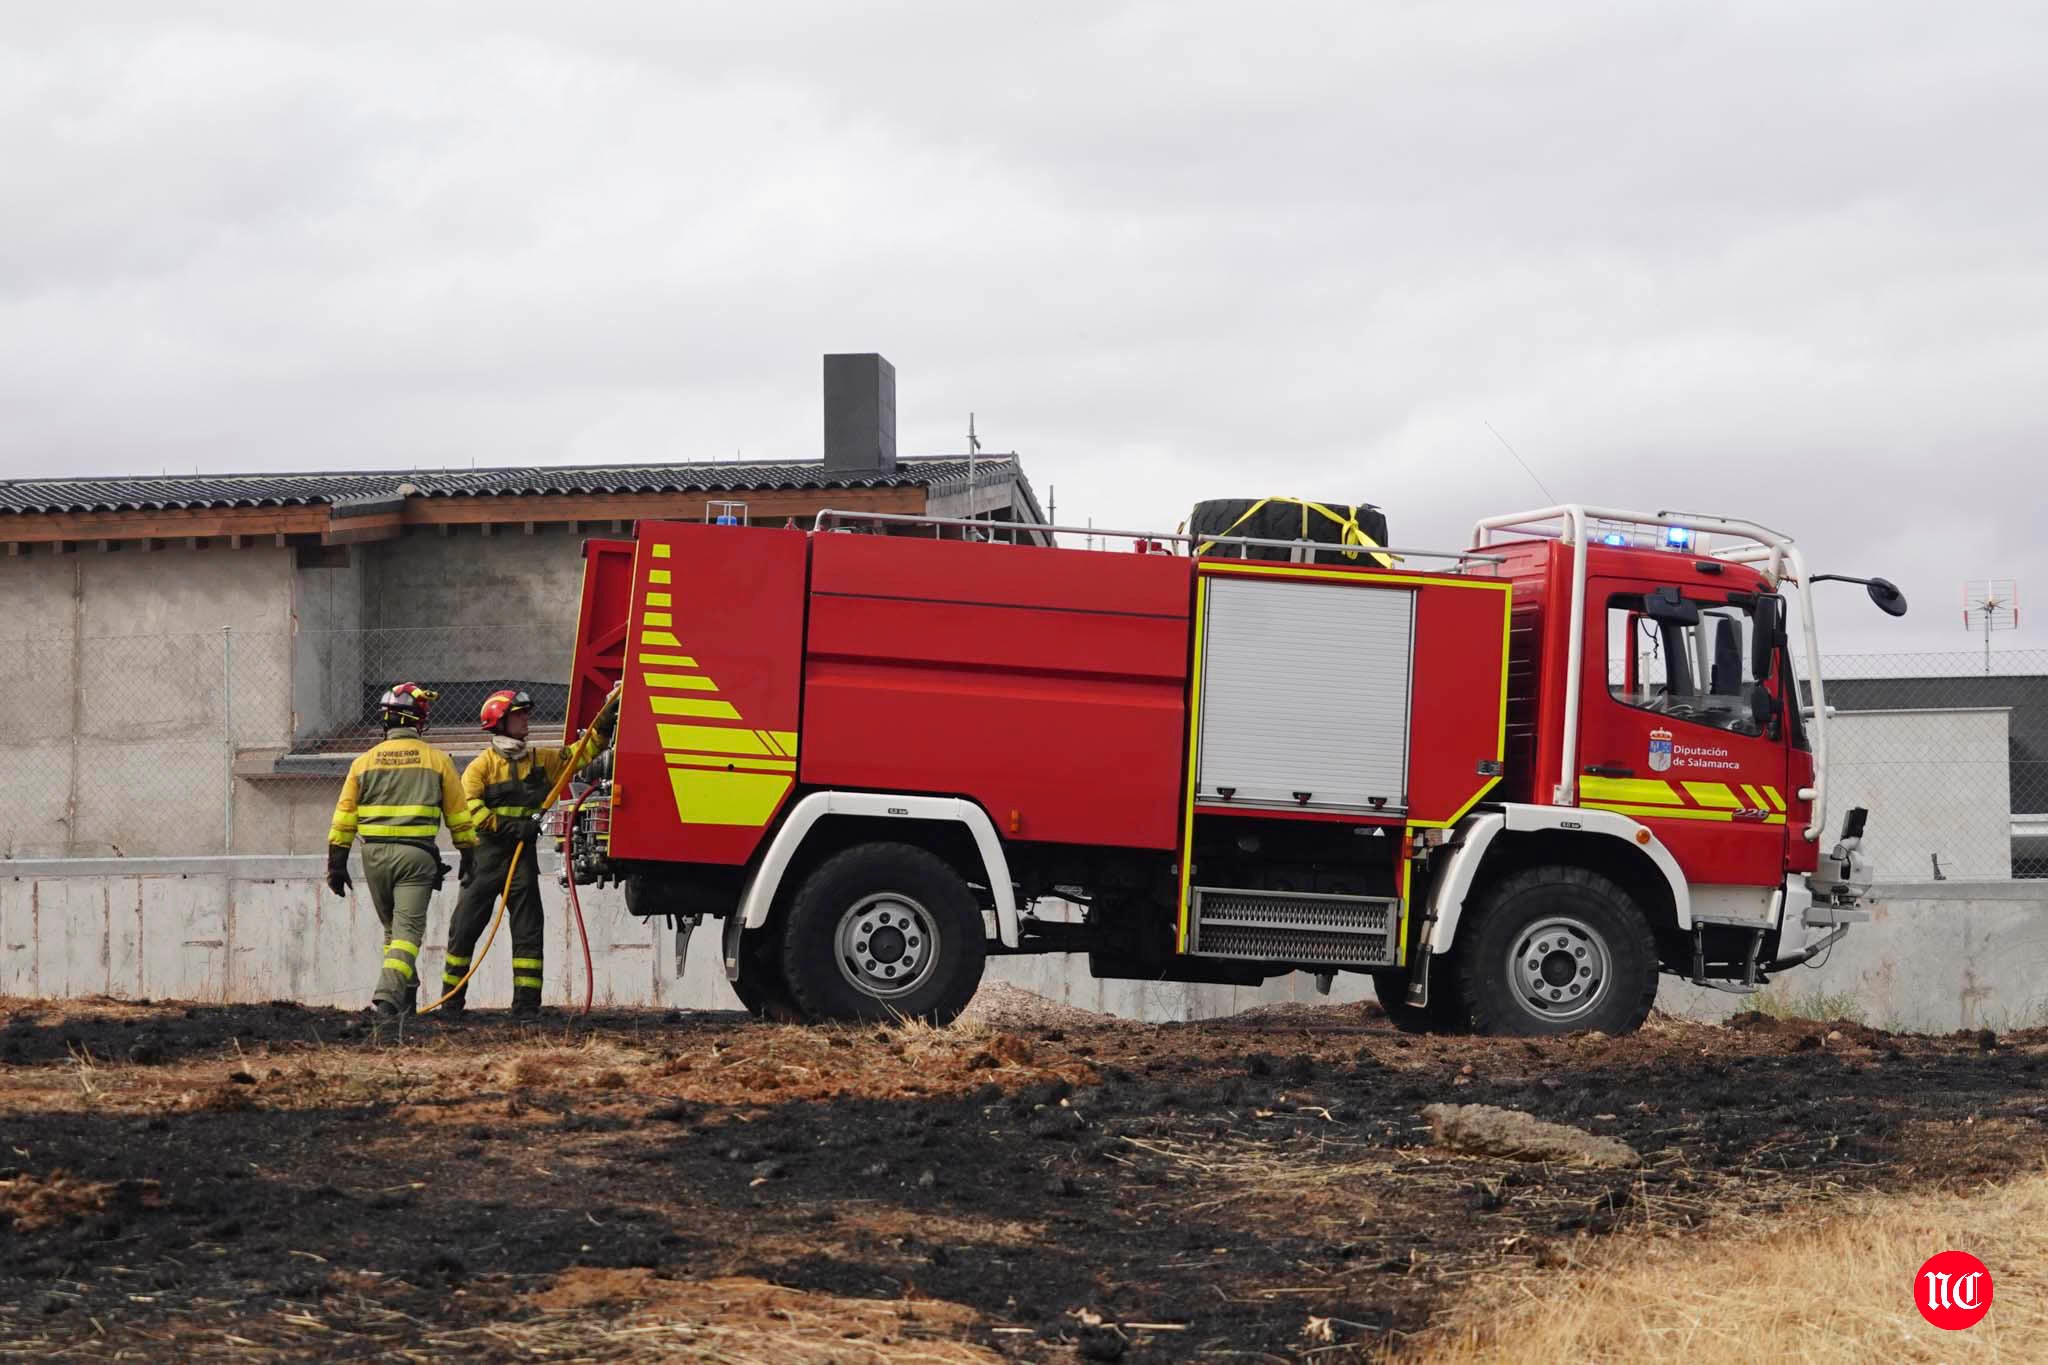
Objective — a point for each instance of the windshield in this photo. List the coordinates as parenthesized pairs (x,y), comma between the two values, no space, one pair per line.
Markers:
(1698,671)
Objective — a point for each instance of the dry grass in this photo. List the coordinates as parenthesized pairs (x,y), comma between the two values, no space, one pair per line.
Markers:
(737,1319)
(1812,1287)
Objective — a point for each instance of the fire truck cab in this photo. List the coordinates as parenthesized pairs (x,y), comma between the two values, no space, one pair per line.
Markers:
(1514,783)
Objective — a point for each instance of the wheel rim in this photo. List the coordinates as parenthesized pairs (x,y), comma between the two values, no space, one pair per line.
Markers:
(1561,968)
(888,945)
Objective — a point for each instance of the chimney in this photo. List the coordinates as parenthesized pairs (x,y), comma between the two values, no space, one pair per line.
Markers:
(860,414)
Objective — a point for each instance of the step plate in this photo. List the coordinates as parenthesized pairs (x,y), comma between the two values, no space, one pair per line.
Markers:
(1292,926)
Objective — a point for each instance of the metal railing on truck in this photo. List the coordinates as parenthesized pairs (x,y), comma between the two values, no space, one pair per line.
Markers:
(833,520)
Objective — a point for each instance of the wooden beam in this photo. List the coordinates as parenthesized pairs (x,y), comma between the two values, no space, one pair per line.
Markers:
(164,523)
(361,530)
(239,525)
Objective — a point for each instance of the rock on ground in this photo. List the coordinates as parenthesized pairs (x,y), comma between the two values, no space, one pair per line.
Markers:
(1483,1130)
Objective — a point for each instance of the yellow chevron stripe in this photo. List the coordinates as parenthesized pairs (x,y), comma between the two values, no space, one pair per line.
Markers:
(709,708)
(657,575)
(662,551)
(1754,797)
(1777,799)
(1679,813)
(765,765)
(661,639)
(712,739)
(679,682)
(667,660)
(657,618)
(1715,794)
(1638,789)
(658,599)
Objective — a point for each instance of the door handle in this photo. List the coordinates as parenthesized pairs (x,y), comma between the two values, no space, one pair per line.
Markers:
(1608,770)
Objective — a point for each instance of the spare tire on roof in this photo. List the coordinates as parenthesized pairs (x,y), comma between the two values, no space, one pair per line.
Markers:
(1349,524)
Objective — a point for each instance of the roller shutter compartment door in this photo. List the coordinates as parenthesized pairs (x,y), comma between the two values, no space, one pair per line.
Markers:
(1305,688)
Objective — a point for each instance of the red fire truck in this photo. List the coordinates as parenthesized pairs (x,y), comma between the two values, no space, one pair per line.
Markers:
(1514,783)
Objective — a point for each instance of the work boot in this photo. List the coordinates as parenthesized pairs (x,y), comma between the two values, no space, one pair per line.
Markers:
(383,1009)
(526,1002)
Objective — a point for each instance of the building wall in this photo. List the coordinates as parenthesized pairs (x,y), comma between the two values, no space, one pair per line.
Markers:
(143,697)
(1937,784)
(467,605)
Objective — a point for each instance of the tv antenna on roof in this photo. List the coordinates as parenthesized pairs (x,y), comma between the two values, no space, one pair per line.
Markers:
(1991,604)
(973,452)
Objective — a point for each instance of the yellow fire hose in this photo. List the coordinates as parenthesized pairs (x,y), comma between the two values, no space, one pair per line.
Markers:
(476,959)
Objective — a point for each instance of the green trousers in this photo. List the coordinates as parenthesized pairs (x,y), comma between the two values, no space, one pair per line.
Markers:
(401,881)
(527,918)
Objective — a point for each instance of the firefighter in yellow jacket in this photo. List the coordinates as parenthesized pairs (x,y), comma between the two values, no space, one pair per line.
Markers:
(396,797)
(506,785)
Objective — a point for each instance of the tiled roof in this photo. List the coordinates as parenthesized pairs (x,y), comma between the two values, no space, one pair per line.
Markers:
(151,492)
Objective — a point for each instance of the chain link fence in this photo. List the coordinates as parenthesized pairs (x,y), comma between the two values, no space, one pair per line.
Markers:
(1949,751)
(169,745)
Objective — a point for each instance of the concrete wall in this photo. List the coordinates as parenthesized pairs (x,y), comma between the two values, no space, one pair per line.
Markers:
(1935,958)
(502,605)
(133,705)
(1938,784)
(120,744)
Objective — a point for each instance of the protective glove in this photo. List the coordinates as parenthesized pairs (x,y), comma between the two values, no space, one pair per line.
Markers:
(440,874)
(521,830)
(337,869)
(467,870)
(608,717)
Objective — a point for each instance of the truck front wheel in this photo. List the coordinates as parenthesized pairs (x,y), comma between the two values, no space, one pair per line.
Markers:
(884,931)
(1558,950)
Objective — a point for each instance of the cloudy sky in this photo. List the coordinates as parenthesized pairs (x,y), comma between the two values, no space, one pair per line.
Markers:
(1787,262)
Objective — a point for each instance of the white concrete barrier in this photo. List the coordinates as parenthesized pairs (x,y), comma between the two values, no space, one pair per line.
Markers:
(1936,957)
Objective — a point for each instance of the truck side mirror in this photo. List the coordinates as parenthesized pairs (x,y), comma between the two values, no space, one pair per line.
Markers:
(1763,709)
(1767,625)
(1887,596)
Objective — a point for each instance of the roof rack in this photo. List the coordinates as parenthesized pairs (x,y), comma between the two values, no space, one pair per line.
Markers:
(835,518)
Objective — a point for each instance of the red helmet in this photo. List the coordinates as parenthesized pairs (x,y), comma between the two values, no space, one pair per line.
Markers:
(406,705)
(501,704)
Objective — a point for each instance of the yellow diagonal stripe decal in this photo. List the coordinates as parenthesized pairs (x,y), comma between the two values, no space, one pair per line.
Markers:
(1777,800)
(1679,813)
(667,660)
(712,739)
(679,682)
(1715,794)
(1638,789)
(708,707)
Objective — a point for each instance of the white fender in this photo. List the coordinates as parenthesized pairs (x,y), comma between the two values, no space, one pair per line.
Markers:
(759,896)
(1476,833)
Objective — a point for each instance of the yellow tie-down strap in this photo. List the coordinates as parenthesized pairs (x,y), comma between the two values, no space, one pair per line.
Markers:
(1352,532)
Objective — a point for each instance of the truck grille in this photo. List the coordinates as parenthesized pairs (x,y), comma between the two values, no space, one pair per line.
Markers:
(1291,926)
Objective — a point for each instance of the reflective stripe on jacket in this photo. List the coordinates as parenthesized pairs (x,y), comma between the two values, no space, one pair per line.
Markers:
(404,789)
(498,788)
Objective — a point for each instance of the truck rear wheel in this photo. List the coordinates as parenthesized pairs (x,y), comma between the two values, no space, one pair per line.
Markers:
(1558,950)
(761,987)
(884,931)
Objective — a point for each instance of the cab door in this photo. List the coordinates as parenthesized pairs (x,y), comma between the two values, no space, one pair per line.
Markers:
(1681,727)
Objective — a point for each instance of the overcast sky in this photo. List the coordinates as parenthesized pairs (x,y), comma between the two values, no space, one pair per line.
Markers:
(1784,262)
